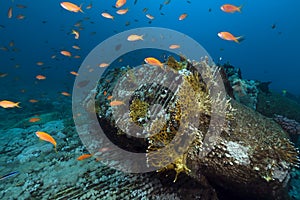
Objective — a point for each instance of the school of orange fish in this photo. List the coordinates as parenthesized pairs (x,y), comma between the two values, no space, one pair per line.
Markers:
(69,6)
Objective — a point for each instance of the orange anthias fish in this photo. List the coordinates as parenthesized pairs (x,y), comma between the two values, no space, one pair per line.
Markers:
(182,16)
(228,8)
(20,16)
(230,37)
(120,3)
(66,94)
(9,104)
(9,13)
(135,37)
(122,11)
(39,63)
(89,6)
(153,61)
(107,15)
(46,137)
(74,73)
(116,103)
(66,53)
(76,47)
(34,119)
(71,7)
(40,77)
(149,16)
(76,33)
(84,156)
(103,65)
(174,46)
(33,100)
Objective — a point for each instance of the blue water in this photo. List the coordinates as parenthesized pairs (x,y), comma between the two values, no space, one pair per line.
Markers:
(267,54)
(270,51)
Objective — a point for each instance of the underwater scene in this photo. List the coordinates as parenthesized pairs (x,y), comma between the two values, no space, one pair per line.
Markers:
(149,99)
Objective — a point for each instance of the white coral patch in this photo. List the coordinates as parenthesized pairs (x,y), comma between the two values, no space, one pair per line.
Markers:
(238,152)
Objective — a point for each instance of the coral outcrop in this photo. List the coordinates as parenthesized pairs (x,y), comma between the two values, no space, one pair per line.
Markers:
(245,152)
(289,125)
(244,91)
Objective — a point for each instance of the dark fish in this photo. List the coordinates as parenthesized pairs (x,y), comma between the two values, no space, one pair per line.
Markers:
(135,1)
(15,49)
(118,47)
(4,48)
(188,1)
(83,83)
(162,14)
(149,22)
(127,23)
(44,22)
(21,6)
(136,20)
(273,26)
(145,9)
(3,75)
(9,175)
(161,6)
(209,10)
(2,26)
(44,68)
(11,43)
(167,2)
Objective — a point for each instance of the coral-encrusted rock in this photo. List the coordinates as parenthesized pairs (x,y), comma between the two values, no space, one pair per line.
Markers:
(292,127)
(252,157)
(244,91)
(289,125)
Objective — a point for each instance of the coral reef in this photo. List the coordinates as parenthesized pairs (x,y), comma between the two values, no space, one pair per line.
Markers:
(294,190)
(276,104)
(254,161)
(252,156)
(290,126)
(244,91)
(45,174)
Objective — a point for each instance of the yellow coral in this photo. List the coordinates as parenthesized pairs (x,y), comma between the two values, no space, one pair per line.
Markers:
(138,110)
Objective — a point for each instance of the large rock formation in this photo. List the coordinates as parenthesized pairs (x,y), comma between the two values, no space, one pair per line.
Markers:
(197,129)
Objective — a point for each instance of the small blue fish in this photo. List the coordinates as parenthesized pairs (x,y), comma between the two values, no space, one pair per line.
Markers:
(9,175)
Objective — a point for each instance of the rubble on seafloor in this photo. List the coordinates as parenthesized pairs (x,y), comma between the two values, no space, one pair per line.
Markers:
(45,174)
